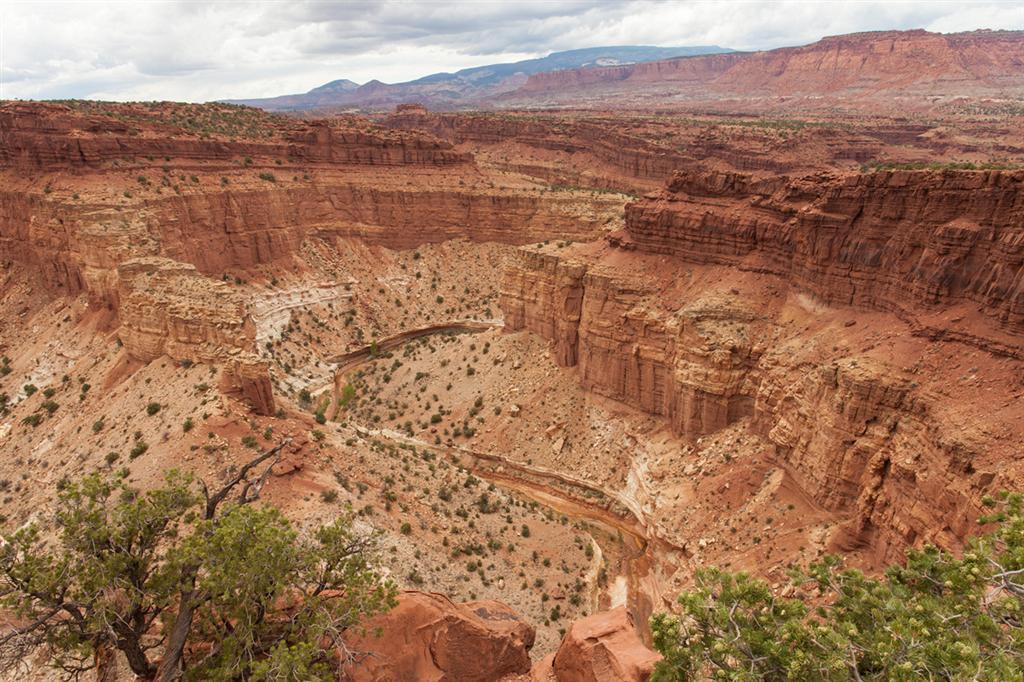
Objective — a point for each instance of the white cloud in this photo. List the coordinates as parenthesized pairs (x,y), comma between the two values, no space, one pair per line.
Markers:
(199,51)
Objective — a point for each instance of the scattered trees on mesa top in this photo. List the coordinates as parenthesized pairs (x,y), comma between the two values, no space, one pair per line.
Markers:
(938,617)
(186,582)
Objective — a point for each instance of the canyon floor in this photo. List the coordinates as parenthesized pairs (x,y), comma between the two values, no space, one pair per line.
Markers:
(557,360)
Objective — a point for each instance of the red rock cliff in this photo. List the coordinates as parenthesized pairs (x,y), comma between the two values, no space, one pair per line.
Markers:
(35,136)
(885,240)
(869,62)
(723,304)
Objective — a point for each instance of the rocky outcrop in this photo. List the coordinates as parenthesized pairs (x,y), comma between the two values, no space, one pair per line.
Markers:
(859,435)
(856,429)
(38,233)
(886,240)
(429,638)
(641,163)
(863,440)
(691,367)
(36,137)
(150,203)
(545,295)
(167,308)
(230,230)
(604,647)
(240,229)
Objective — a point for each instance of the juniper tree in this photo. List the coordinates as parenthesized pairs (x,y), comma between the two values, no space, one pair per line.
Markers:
(185,582)
(936,617)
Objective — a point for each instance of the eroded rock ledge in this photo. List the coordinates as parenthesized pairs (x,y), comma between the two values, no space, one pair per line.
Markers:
(726,301)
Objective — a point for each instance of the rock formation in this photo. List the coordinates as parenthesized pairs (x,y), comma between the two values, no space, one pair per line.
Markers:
(849,71)
(765,344)
(885,240)
(428,637)
(202,205)
(603,647)
(37,136)
(167,308)
(649,320)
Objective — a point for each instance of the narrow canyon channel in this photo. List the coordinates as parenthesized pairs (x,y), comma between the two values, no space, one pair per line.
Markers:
(628,557)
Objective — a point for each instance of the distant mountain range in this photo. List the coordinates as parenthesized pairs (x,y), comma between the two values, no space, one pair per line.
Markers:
(858,71)
(469,86)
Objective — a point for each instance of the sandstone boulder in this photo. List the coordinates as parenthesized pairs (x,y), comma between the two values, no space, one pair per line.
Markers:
(429,638)
(604,647)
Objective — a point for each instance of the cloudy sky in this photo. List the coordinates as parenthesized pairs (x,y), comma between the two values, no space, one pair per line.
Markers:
(198,51)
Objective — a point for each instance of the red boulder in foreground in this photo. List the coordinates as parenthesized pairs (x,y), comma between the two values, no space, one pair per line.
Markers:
(429,638)
(604,647)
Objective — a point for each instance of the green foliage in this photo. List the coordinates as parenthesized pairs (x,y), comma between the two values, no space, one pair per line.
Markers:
(33,420)
(872,166)
(255,599)
(152,408)
(348,393)
(936,617)
(206,120)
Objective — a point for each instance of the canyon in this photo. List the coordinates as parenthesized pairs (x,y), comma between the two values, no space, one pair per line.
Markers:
(557,359)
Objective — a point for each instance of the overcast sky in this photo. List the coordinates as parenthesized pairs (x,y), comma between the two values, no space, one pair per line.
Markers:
(198,51)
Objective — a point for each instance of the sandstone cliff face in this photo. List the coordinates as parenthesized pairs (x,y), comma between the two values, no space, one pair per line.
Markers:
(696,70)
(640,154)
(40,137)
(167,308)
(856,433)
(860,62)
(39,234)
(241,229)
(149,209)
(687,367)
(625,154)
(545,296)
(78,248)
(863,440)
(881,240)
(856,429)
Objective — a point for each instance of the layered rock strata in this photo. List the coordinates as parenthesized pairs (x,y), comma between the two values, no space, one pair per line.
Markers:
(885,240)
(37,137)
(910,63)
(713,308)
(168,309)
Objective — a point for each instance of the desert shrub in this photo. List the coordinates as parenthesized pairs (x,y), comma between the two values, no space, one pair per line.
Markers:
(939,616)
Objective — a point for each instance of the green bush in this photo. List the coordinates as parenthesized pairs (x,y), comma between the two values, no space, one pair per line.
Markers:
(938,617)
(119,569)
